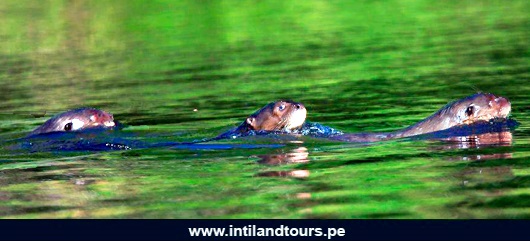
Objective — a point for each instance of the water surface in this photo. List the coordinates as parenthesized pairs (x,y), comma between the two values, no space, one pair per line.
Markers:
(184,70)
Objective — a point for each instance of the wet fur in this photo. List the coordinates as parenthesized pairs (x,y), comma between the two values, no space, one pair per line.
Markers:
(453,114)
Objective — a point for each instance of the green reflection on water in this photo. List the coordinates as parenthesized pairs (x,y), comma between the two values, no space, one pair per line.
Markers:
(357,66)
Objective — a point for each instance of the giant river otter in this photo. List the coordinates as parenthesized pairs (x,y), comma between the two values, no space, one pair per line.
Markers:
(78,119)
(290,116)
(283,115)
(479,107)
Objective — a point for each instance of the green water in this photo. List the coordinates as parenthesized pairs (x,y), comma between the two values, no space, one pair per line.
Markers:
(185,70)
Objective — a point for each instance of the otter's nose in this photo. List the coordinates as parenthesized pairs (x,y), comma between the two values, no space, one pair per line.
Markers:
(501,100)
(502,105)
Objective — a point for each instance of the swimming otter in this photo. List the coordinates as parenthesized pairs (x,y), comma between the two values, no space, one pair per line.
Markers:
(75,120)
(283,115)
(475,108)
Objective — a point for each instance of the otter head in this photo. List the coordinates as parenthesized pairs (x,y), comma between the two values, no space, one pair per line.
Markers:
(76,120)
(480,107)
(281,115)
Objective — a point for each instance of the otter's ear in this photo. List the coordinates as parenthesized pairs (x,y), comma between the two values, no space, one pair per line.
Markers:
(252,122)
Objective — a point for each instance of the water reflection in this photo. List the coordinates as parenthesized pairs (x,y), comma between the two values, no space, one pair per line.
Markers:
(475,175)
(296,155)
(480,141)
(301,174)
(479,148)
(377,69)
(68,189)
(303,195)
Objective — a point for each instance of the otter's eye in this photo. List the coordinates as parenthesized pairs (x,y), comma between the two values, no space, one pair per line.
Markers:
(281,107)
(68,126)
(470,110)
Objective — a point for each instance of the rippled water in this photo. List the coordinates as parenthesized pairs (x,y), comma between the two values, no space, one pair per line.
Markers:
(186,70)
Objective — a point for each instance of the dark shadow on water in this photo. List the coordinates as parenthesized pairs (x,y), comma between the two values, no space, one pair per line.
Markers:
(198,69)
(507,201)
(516,182)
(48,168)
(223,146)
(60,177)
(19,210)
(346,198)
(514,161)
(115,201)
